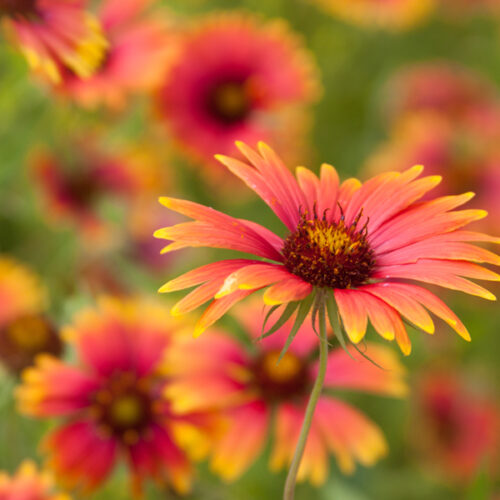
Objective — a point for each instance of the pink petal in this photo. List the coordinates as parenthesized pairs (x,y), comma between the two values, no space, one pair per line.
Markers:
(362,375)
(253,276)
(206,273)
(243,440)
(434,304)
(443,273)
(53,388)
(218,308)
(353,437)
(403,303)
(79,455)
(287,290)
(354,316)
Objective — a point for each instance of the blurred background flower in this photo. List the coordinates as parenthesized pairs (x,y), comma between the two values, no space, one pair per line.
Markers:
(237,77)
(260,397)
(25,329)
(28,483)
(112,401)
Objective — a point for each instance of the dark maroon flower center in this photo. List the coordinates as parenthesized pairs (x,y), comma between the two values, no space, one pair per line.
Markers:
(287,380)
(327,254)
(229,102)
(124,407)
(24,338)
(21,8)
(81,188)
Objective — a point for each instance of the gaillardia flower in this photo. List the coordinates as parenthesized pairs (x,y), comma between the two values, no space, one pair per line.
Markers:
(111,401)
(450,90)
(357,244)
(21,291)
(260,397)
(465,151)
(462,425)
(137,57)
(52,33)
(28,484)
(387,14)
(236,77)
(74,188)
(25,331)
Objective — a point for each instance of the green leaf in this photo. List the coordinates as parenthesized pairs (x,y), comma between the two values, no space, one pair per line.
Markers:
(331,309)
(289,310)
(268,315)
(304,308)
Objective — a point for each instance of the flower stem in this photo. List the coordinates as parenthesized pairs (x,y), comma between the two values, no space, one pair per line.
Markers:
(291,479)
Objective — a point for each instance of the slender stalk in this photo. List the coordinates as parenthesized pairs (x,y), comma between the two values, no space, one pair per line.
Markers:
(291,479)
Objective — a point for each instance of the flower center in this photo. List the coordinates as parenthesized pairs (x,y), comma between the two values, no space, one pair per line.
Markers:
(327,254)
(29,332)
(285,380)
(14,8)
(124,407)
(229,102)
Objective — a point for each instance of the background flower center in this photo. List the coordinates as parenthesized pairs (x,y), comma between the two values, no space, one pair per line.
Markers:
(29,332)
(285,380)
(18,7)
(124,407)
(229,102)
(329,254)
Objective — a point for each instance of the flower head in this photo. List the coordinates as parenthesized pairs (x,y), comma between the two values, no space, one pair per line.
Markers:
(236,76)
(248,386)
(25,331)
(137,56)
(28,483)
(111,402)
(52,33)
(21,291)
(358,243)
(466,153)
(389,14)
(462,426)
(452,91)
(74,189)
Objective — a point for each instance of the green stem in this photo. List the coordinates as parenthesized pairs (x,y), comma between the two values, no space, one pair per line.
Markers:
(291,479)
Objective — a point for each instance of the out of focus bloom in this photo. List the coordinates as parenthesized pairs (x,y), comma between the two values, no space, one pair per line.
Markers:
(74,188)
(450,90)
(467,156)
(52,33)
(462,427)
(448,118)
(357,243)
(28,484)
(388,14)
(236,77)
(25,331)
(259,397)
(111,402)
(139,49)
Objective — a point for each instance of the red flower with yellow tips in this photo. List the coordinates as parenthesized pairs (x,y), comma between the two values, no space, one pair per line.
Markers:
(111,402)
(28,484)
(52,33)
(359,244)
(140,46)
(260,398)
(462,425)
(236,76)
(73,188)
(25,331)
